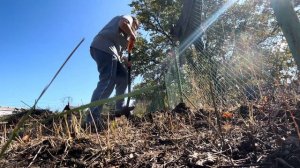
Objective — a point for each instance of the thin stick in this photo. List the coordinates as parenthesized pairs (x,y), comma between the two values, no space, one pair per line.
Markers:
(217,113)
(95,128)
(295,123)
(35,156)
(25,117)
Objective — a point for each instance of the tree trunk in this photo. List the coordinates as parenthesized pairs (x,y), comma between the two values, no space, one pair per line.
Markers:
(289,23)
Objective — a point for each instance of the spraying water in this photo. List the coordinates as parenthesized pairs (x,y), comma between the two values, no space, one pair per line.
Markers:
(204,26)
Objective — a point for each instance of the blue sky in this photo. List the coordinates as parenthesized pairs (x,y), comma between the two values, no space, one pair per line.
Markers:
(36,36)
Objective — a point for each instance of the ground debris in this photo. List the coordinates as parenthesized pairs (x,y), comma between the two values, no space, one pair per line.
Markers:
(175,138)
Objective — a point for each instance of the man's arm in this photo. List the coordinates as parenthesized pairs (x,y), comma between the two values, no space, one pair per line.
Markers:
(125,26)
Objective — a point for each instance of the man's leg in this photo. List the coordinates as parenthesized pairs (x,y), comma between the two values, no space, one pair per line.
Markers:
(107,66)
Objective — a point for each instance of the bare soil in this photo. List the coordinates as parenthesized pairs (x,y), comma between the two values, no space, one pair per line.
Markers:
(175,138)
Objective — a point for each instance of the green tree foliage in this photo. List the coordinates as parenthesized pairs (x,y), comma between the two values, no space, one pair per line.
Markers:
(149,55)
(157,17)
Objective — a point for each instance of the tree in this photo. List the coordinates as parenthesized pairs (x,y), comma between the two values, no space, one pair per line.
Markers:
(290,25)
(149,55)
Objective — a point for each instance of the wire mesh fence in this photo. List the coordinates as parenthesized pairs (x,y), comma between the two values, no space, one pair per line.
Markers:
(238,67)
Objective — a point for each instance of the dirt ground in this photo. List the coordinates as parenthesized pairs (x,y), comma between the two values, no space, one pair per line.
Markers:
(249,136)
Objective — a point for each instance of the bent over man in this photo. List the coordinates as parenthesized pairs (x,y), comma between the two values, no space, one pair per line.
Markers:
(106,49)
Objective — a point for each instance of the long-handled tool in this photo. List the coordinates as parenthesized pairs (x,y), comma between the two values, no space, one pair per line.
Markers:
(126,110)
(129,80)
(130,47)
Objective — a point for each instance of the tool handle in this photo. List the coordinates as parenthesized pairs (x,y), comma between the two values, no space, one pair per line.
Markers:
(129,79)
(129,48)
(130,45)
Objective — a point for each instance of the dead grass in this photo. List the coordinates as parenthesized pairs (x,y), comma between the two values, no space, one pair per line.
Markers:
(260,134)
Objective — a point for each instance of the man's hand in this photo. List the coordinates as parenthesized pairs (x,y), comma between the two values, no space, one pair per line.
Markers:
(130,45)
(128,63)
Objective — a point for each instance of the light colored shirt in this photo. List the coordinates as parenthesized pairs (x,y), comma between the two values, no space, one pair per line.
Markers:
(111,39)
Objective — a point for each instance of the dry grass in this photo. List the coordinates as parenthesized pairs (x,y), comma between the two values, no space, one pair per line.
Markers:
(261,134)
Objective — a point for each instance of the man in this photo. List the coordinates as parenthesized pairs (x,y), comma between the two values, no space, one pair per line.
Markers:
(106,49)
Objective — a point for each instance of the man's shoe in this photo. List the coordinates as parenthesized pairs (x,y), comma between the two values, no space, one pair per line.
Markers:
(124,111)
